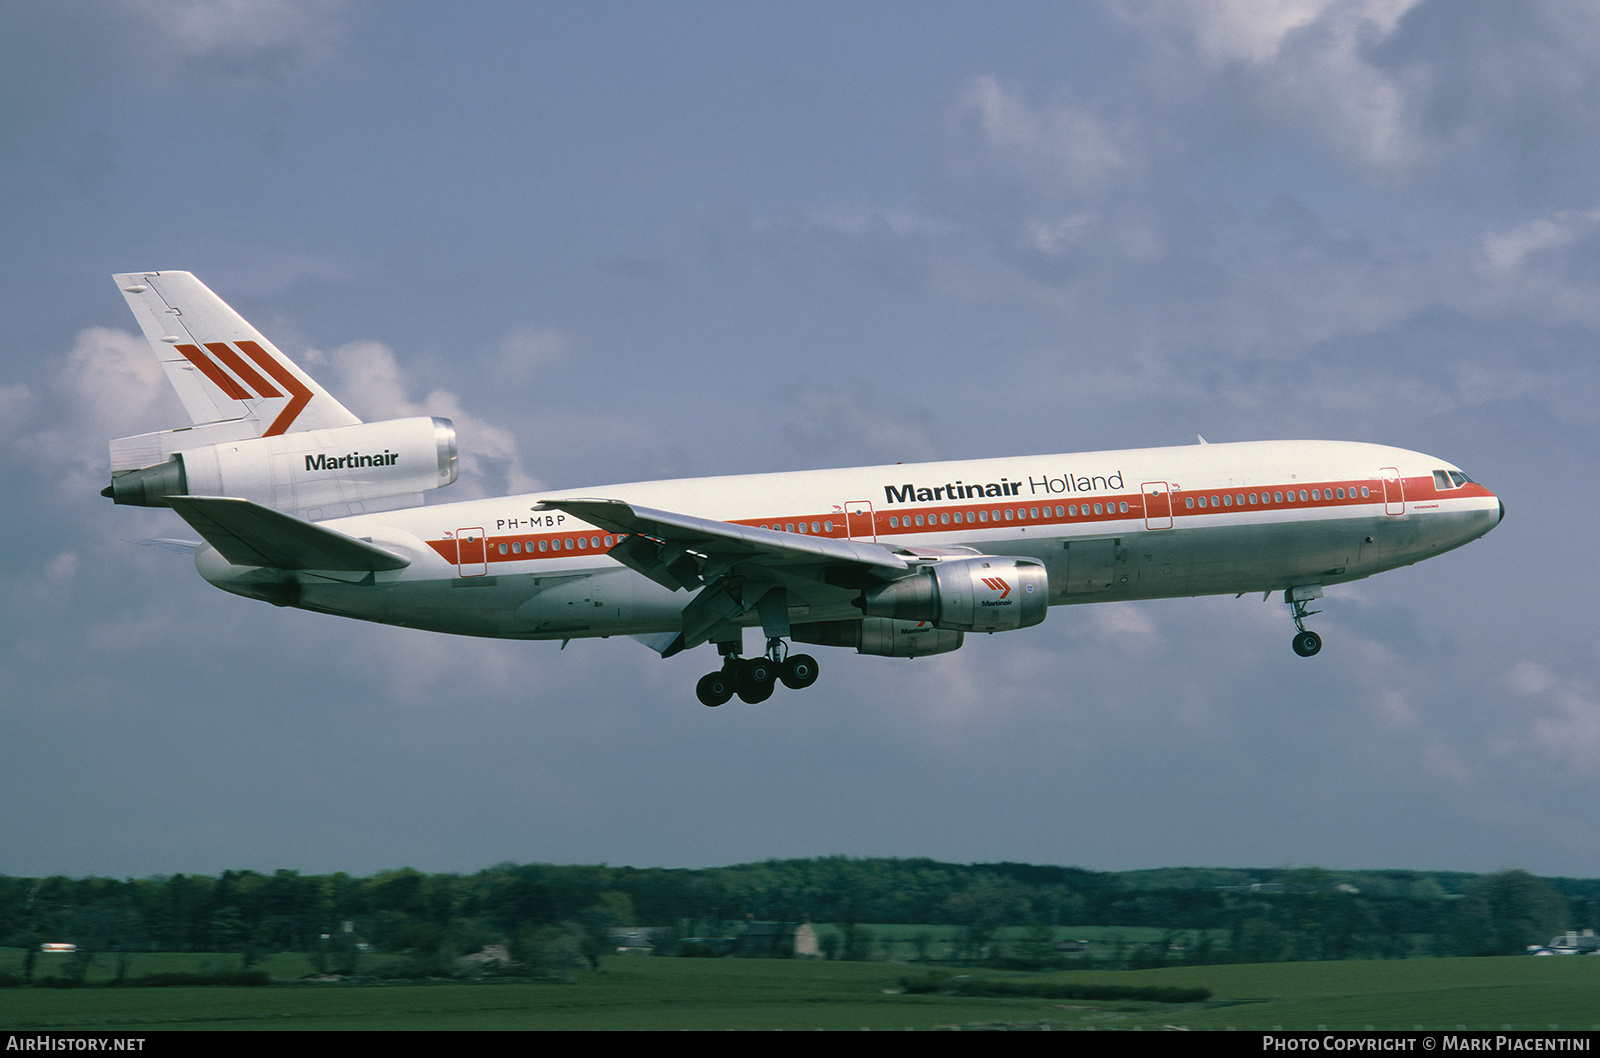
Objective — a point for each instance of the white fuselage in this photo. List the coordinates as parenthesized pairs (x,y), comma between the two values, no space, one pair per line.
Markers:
(1136,524)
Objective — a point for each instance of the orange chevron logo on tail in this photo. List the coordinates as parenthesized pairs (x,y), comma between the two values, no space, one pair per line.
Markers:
(258,387)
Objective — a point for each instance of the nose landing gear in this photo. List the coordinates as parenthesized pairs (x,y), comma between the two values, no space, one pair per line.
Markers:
(1305,642)
(754,679)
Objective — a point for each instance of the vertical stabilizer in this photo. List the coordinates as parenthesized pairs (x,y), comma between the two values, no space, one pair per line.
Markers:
(223,369)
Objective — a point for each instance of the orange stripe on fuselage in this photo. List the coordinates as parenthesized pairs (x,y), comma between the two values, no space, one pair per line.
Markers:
(1417,490)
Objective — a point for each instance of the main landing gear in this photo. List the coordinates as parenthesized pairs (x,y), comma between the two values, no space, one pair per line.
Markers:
(754,679)
(1306,642)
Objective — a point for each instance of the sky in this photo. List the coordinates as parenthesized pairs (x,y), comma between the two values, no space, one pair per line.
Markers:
(623,241)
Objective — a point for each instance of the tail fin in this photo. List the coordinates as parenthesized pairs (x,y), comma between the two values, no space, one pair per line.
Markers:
(224,369)
(263,429)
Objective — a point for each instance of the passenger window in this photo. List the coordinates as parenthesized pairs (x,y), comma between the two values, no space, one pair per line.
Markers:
(1122,508)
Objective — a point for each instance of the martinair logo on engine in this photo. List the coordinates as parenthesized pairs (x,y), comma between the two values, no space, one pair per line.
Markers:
(351,461)
(998,584)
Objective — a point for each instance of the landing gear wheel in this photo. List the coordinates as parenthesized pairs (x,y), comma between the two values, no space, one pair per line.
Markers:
(799,672)
(756,678)
(1307,643)
(714,688)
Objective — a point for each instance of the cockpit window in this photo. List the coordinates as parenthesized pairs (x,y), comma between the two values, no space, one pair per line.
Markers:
(1459,478)
(1449,479)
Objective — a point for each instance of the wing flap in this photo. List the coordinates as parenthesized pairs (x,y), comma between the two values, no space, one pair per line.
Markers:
(248,534)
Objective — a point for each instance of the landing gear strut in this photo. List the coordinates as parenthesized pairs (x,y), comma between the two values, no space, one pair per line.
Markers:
(1305,642)
(754,679)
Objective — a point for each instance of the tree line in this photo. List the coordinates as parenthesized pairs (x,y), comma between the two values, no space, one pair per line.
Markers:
(1231,915)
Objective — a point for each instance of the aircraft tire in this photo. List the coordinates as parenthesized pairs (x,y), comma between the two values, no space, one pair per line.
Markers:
(799,671)
(1307,643)
(714,688)
(754,675)
(757,694)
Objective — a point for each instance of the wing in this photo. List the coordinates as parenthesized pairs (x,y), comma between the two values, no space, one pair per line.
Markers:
(737,568)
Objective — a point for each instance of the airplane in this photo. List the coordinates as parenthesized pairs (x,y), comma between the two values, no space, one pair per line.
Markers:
(300,503)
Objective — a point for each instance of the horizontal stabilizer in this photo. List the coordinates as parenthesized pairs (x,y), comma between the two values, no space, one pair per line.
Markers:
(248,534)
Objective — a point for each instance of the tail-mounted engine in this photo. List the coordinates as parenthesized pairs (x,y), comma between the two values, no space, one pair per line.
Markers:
(988,594)
(323,473)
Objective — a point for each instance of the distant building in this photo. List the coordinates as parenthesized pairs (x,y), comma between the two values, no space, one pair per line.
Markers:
(778,940)
(1570,943)
(632,940)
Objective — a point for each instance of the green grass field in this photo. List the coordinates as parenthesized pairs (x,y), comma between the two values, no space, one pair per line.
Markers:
(646,993)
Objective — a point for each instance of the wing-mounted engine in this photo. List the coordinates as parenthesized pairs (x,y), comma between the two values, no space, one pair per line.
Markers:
(982,594)
(314,473)
(880,636)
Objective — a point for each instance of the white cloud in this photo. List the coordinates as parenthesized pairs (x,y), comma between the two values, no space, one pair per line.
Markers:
(1567,727)
(201,27)
(1309,63)
(1062,147)
(835,424)
(373,385)
(1507,251)
(1255,31)
(528,350)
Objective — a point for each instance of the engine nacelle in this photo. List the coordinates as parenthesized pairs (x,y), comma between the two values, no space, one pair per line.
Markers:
(880,636)
(985,594)
(335,472)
